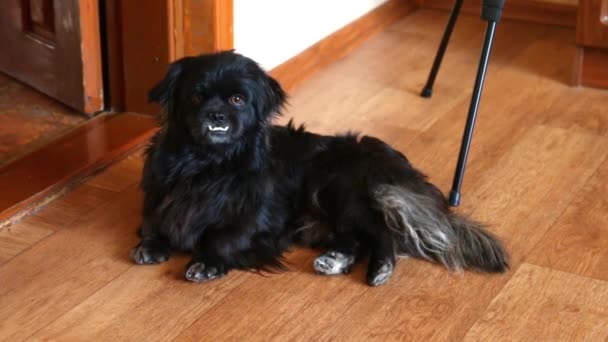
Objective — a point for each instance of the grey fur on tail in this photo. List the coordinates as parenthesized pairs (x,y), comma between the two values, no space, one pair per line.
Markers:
(426,228)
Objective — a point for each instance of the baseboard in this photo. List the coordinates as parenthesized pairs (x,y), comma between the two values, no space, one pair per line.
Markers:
(524,10)
(338,44)
(31,181)
(591,67)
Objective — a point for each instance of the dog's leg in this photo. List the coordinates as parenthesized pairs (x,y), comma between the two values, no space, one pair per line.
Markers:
(206,263)
(342,253)
(382,259)
(152,249)
(199,271)
(218,253)
(221,250)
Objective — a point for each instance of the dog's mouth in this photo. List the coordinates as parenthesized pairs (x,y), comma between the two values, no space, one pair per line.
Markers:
(219,133)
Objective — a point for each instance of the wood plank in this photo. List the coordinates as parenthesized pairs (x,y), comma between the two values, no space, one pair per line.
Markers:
(505,194)
(540,304)
(335,108)
(207,27)
(568,2)
(69,266)
(113,54)
(20,237)
(89,42)
(503,105)
(60,213)
(531,11)
(333,102)
(63,211)
(398,100)
(340,43)
(591,67)
(294,297)
(141,298)
(144,60)
(418,301)
(577,242)
(101,141)
(401,90)
(391,51)
(578,109)
(392,63)
(77,202)
(372,86)
(121,175)
(592,28)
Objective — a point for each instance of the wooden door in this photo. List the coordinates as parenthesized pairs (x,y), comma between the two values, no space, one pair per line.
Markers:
(54,46)
(592,28)
(172,29)
(591,67)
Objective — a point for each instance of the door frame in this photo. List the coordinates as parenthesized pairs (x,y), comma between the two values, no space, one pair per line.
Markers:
(140,41)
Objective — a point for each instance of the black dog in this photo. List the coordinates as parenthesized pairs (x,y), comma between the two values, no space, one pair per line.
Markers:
(223,183)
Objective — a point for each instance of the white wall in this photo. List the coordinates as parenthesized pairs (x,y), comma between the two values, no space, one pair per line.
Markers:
(272,31)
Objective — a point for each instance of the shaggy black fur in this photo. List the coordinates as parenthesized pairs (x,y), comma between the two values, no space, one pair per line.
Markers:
(224,184)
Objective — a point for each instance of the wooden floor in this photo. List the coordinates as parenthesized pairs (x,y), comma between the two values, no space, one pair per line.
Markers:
(538,174)
(30,119)
(36,179)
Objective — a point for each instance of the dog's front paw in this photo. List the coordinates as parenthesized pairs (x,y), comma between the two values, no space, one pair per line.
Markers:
(145,253)
(198,272)
(332,263)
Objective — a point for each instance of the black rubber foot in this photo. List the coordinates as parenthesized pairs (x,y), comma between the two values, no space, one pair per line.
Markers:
(427,92)
(454,198)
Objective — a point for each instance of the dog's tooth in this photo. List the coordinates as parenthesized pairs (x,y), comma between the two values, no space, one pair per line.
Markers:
(213,129)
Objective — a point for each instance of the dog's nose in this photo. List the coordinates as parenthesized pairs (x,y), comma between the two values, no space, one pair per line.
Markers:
(217,117)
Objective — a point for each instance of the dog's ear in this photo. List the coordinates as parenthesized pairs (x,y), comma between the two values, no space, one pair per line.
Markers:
(164,92)
(274,95)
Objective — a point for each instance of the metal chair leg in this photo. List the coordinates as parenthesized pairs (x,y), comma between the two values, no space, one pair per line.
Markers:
(427,91)
(491,11)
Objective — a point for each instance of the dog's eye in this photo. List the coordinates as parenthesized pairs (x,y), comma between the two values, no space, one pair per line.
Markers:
(236,100)
(197,99)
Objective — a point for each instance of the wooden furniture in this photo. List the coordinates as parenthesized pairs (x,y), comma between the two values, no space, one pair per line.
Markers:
(591,67)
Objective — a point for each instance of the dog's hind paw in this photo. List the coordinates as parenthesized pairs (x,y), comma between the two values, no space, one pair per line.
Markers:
(198,272)
(333,262)
(379,273)
(144,254)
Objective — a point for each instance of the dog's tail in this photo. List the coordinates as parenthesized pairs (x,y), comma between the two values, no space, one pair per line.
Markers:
(426,228)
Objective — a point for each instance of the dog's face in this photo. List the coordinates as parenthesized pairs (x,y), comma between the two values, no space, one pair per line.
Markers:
(218,98)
